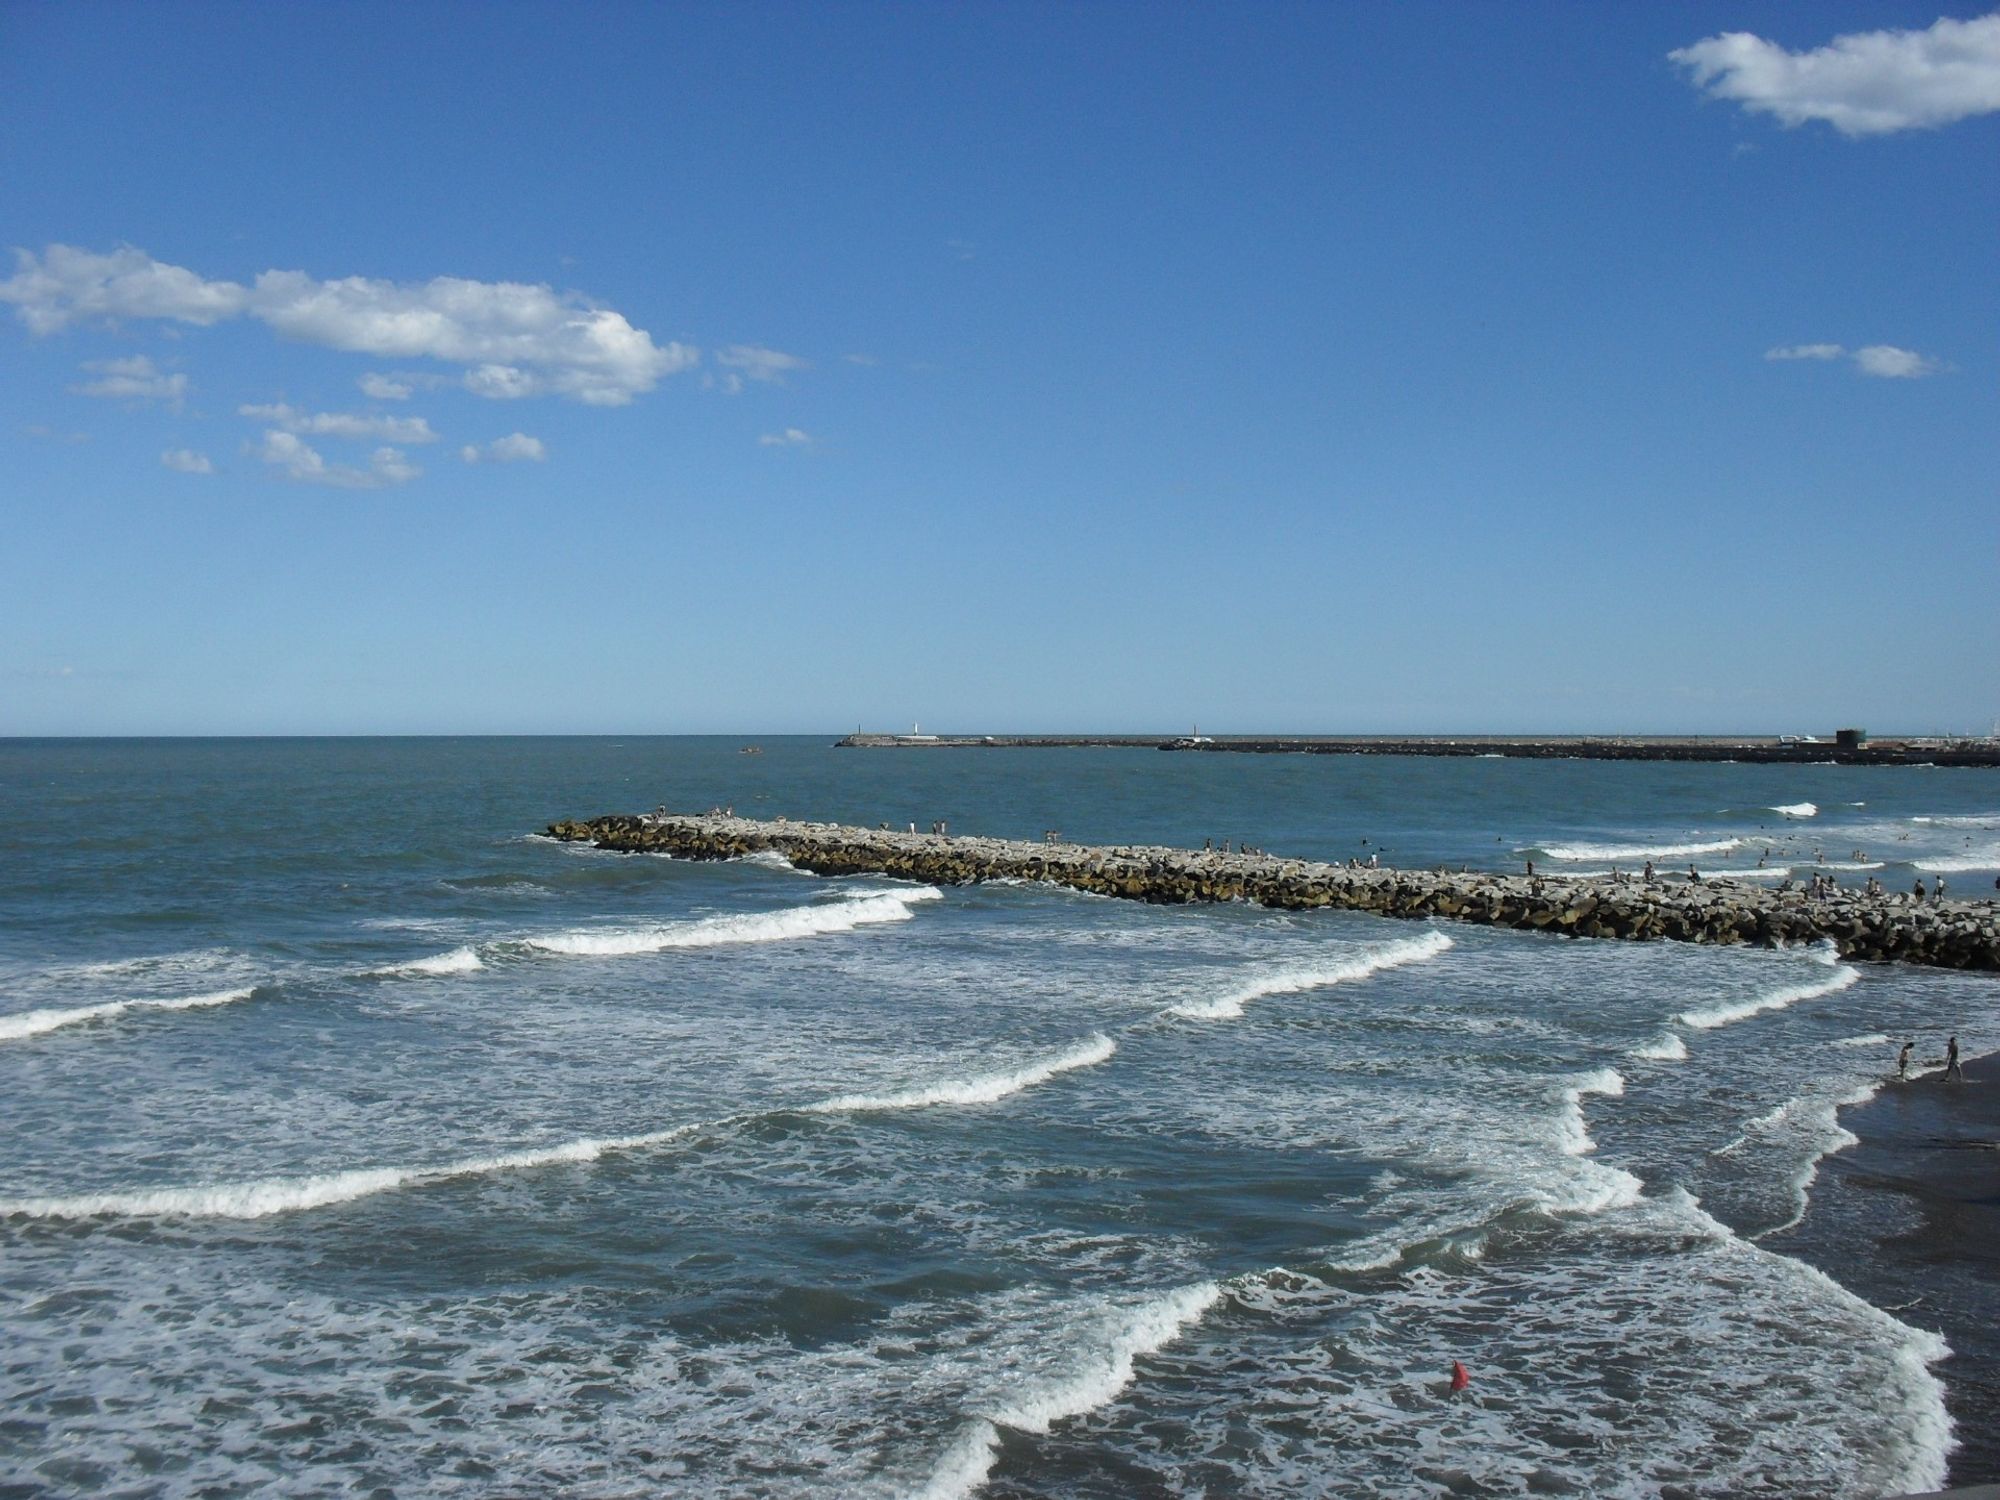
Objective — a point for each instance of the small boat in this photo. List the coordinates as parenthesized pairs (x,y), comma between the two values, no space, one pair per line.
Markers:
(751,750)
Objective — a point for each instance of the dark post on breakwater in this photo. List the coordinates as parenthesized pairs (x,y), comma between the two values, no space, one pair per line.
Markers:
(1952,934)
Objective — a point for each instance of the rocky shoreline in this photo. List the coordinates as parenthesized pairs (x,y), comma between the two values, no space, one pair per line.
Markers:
(1953,934)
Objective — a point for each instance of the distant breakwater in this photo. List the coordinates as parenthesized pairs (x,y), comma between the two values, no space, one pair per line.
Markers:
(1953,934)
(1764,751)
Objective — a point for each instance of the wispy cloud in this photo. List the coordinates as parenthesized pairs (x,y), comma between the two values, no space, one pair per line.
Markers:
(743,362)
(516,447)
(291,456)
(1891,363)
(1885,361)
(133,379)
(355,425)
(791,437)
(384,388)
(522,339)
(187,461)
(1864,83)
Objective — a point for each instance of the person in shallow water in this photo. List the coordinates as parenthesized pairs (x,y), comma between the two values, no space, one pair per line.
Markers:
(1951,1070)
(1903,1060)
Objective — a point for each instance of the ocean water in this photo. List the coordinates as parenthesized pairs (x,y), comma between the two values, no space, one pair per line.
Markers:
(359,1141)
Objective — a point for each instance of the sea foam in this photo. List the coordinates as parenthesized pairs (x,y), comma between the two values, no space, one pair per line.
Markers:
(1314,976)
(1638,851)
(1668,1048)
(1710,1017)
(36,1022)
(1103,1368)
(981,1089)
(760,927)
(262,1197)
(458,961)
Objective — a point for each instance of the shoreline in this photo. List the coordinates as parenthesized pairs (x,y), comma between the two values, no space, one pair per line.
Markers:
(1909,1219)
(1951,934)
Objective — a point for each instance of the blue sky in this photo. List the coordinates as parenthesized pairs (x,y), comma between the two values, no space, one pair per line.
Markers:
(787,368)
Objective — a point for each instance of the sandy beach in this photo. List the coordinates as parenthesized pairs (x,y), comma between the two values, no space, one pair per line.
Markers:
(1910,1219)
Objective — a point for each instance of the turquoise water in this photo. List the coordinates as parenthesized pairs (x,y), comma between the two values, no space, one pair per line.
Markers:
(361,1141)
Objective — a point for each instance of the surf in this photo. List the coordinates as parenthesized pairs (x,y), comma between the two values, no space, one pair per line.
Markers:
(982,1089)
(39,1022)
(1709,1017)
(1314,976)
(816,920)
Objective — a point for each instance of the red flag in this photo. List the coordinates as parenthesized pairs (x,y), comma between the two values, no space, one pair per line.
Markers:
(1460,1379)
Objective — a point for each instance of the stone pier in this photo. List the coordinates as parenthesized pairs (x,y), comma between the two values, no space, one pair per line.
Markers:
(1953,934)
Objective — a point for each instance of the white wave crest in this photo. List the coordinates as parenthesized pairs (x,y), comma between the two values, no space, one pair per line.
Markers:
(1873,1039)
(981,1090)
(265,1196)
(36,1022)
(760,927)
(1315,976)
(1953,864)
(1102,1369)
(1571,1135)
(458,961)
(769,859)
(1710,1017)
(1797,809)
(1638,851)
(1595,1191)
(1668,1048)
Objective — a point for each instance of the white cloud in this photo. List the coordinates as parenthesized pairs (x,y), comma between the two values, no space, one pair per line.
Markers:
(1884,360)
(382,388)
(289,453)
(360,427)
(132,379)
(187,461)
(755,363)
(791,437)
(65,285)
(556,342)
(1865,83)
(500,383)
(516,447)
(543,340)
(1891,363)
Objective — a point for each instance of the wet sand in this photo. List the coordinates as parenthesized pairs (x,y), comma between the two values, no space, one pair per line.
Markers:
(1910,1219)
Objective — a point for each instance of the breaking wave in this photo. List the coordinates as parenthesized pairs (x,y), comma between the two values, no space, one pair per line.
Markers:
(1103,1368)
(1314,976)
(265,1196)
(36,1022)
(761,927)
(1669,1048)
(1710,1017)
(1797,809)
(983,1089)
(458,961)
(1638,851)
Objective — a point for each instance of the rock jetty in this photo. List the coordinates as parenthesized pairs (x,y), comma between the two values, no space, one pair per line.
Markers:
(1952,935)
(1768,750)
